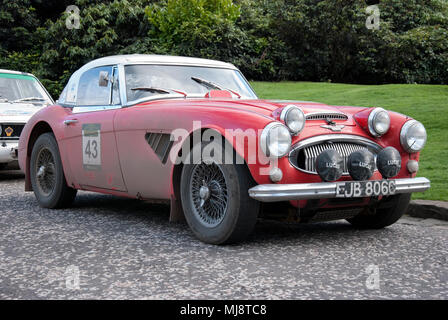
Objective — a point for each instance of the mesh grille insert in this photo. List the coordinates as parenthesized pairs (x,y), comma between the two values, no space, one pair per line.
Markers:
(305,158)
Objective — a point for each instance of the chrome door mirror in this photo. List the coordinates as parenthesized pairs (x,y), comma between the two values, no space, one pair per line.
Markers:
(103,79)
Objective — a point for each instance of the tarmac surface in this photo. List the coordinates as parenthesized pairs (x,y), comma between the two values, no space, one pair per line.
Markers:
(112,248)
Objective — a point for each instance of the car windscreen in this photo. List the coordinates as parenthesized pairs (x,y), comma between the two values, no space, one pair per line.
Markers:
(171,77)
(21,88)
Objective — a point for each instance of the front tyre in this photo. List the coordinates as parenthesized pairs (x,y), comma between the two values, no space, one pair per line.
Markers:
(388,212)
(47,174)
(215,198)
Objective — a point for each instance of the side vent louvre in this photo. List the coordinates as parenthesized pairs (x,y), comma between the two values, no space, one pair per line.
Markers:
(161,144)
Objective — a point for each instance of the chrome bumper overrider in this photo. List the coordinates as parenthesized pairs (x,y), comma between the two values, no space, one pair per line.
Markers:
(322,190)
(8,151)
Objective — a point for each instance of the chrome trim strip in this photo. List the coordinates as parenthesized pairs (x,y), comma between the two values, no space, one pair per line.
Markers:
(335,138)
(311,142)
(94,108)
(122,85)
(323,190)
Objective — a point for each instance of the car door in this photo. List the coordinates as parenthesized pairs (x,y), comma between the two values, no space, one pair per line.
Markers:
(89,133)
(143,140)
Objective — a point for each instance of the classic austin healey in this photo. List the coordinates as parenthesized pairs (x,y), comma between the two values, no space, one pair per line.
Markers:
(192,132)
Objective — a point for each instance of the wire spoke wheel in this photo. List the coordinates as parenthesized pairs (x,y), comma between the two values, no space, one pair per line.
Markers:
(214,197)
(209,195)
(45,171)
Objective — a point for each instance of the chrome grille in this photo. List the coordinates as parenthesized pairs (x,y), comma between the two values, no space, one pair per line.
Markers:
(325,116)
(305,158)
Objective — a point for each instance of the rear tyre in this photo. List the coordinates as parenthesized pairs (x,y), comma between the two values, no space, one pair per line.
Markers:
(3,166)
(389,211)
(47,175)
(215,198)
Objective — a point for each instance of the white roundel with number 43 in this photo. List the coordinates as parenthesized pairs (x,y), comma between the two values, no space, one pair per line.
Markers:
(91,146)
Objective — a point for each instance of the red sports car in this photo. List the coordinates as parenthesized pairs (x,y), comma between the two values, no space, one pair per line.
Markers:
(192,133)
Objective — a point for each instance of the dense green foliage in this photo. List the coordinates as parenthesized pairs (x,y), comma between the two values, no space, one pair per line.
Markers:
(317,40)
(427,103)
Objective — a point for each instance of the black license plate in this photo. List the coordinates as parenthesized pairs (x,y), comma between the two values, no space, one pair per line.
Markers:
(359,189)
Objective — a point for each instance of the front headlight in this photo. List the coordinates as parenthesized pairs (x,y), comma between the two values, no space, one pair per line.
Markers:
(413,136)
(275,140)
(294,118)
(379,122)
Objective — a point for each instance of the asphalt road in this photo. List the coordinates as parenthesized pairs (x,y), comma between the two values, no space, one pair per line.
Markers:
(113,248)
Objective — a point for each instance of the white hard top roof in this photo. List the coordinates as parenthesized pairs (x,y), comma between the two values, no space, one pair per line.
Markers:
(155,59)
(15,72)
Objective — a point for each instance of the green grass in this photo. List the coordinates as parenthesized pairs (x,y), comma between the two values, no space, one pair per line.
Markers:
(426,103)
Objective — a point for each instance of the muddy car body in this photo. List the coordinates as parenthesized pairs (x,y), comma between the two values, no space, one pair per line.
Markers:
(133,125)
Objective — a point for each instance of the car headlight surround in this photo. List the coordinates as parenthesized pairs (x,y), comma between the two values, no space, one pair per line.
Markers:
(379,122)
(413,136)
(275,140)
(294,118)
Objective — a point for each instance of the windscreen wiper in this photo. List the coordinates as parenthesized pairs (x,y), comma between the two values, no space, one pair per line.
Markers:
(159,90)
(29,99)
(214,86)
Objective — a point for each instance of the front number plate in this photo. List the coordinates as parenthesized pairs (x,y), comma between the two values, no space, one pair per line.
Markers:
(359,189)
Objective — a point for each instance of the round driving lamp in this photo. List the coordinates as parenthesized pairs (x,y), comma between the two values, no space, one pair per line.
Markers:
(294,118)
(361,164)
(329,165)
(413,136)
(275,140)
(388,162)
(379,122)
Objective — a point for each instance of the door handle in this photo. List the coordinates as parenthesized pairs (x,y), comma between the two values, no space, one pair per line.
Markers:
(69,122)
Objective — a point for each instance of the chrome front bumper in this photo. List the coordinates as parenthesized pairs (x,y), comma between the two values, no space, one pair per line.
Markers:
(323,190)
(8,151)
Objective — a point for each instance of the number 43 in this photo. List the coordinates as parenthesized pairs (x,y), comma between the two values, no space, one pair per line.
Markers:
(91,149)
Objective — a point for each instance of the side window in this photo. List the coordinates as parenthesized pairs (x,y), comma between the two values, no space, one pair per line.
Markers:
(72,90)
(90,93)
(63,96)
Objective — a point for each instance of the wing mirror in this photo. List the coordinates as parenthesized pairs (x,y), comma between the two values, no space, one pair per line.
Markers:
(103,79)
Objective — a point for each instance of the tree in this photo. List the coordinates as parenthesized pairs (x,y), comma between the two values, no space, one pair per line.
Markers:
(105,29)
